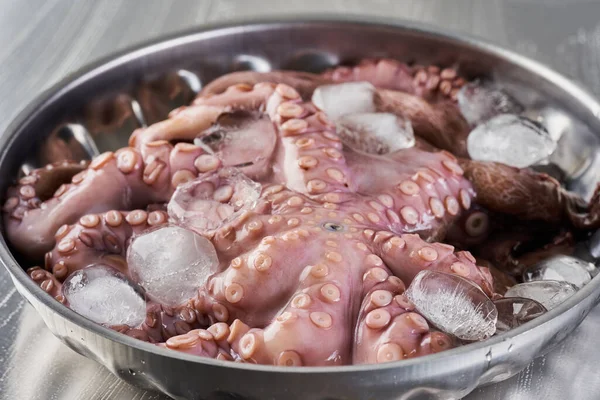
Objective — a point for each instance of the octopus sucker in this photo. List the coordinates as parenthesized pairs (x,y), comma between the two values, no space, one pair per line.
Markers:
(298,234)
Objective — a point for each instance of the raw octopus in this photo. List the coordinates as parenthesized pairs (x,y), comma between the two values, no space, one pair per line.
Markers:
(314,272)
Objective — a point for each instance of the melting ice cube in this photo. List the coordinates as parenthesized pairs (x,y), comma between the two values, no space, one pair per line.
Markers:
(512,140)
(211,201)
(560,268)
(345,98)
(171,263)
(105,296)
(556,121)
(376,133)
(240,138)
(575,142)
(480,101)
(453,304)
(549,293)
(515,311)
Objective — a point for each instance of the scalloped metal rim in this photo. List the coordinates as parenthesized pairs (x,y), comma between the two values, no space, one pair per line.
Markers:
(180,38)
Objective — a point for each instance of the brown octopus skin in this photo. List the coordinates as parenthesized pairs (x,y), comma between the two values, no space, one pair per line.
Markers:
(527,195)
(503,248)
(282,272)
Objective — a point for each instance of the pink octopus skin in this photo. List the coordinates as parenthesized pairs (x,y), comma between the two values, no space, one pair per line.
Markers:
(332,243)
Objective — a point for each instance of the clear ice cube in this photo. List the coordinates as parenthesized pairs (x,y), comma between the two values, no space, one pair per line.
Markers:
(345,98)
(560,268)
(480,101)
(453,304)
(549,293)
(171,263)
(575,142)
(211,201)
(556,121)
(515,311)
(376,133)
(511,140)
(240,138)
(105,296)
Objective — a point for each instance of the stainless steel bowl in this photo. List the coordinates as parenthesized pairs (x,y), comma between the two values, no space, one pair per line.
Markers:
(96,109)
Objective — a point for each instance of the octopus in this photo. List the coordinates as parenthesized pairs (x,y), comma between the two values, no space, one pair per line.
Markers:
(313,273)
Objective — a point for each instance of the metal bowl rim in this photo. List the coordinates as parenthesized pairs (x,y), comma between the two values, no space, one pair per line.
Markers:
(90,70)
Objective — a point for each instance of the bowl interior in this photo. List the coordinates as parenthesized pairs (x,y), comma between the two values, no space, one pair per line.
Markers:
(97,109)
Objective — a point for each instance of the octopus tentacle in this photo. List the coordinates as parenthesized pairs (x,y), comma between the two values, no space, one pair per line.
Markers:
(187,122)
(304,82)
(418,191)
(100,237)
(388,329)
(509,256)
(310,154)
(430,82)
(384,73)
(163,322)
(586,217)
(406,255)
(471,228)
(528,195)
(47,282)
(319,308)
(128,181)
(213,342)
(33,189)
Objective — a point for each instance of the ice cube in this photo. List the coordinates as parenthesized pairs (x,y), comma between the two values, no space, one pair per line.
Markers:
(453,304)
(556,121)
(211,201)
(240,138)
(511,140)
(105,296)
(560,268)
(480,101)
(171,263)
(574,142)
(515,311)
(376,133)
(549,293)
(345,98)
